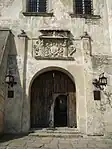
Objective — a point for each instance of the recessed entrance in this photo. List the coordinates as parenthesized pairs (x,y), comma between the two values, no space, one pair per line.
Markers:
(53,100)
(60,111)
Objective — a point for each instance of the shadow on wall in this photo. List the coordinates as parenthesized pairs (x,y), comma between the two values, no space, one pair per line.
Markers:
(16,105)
(9,137)
(4,50)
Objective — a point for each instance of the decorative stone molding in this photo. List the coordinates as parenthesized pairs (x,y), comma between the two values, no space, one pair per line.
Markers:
(54,44)
(86,39)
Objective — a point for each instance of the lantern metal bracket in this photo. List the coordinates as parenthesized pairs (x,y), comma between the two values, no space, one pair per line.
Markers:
(101,82)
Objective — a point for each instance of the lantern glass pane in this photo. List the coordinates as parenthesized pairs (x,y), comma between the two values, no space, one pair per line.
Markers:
(103,81)
(7,79)
(11,79)
(100,80)
(102,87)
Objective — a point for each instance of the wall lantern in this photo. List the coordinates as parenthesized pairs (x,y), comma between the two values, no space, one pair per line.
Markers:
(10,80)
(101,83)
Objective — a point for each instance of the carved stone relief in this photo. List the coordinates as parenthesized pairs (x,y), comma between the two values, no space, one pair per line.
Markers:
(53,45)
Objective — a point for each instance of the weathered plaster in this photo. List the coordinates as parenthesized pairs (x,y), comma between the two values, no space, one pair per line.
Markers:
(90,118)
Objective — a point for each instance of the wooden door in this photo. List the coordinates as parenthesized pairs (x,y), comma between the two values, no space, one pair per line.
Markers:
(72,110)
(41,98)
(42,91)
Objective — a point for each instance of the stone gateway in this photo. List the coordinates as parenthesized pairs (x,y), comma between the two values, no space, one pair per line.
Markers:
(56,65)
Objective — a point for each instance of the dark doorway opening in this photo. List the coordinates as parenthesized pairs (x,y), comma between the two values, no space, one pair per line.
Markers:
(60,111)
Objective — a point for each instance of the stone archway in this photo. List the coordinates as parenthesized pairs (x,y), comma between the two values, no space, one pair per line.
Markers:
(44,91)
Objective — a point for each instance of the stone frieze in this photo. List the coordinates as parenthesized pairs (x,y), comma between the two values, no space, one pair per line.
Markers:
(53,45)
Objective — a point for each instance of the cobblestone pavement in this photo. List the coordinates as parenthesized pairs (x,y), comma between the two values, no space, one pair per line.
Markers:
(34,142)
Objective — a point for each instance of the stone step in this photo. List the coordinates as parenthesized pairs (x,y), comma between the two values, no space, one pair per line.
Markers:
(57,132)
(56,135)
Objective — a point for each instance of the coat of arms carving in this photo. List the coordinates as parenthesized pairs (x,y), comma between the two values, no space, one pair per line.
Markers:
(54,44)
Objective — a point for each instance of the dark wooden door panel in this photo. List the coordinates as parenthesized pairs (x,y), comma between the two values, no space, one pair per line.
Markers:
(42,90)
(41,98)
(72,110)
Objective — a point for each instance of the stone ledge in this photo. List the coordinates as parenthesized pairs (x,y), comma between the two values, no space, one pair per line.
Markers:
(57,132)
(39,14)
(56,135)
(54,29)
(52,37)
(55,58)
(85,16)
(5,29)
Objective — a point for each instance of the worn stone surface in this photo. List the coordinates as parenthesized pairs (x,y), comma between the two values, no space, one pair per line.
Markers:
(28,142)
(4,50)
(93,117)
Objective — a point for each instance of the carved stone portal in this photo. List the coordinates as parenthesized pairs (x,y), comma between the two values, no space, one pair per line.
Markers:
(54,44)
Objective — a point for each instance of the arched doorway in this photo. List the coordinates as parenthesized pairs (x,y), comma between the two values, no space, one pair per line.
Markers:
(48,90)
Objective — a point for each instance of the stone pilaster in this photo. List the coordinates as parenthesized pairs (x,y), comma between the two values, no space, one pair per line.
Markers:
(23,45)
(86,42)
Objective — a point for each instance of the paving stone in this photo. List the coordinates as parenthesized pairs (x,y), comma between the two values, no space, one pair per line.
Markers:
(17,143)
(35,144)
(65,146)
(81,144)
(56,143)
(1,147)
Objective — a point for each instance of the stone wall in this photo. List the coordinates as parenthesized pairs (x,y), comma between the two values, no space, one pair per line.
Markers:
(3,72)
(90,120)
(109,20)
(103,64)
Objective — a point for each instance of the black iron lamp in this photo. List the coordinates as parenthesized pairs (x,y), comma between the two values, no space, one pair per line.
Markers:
(10,80)
(101,83)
